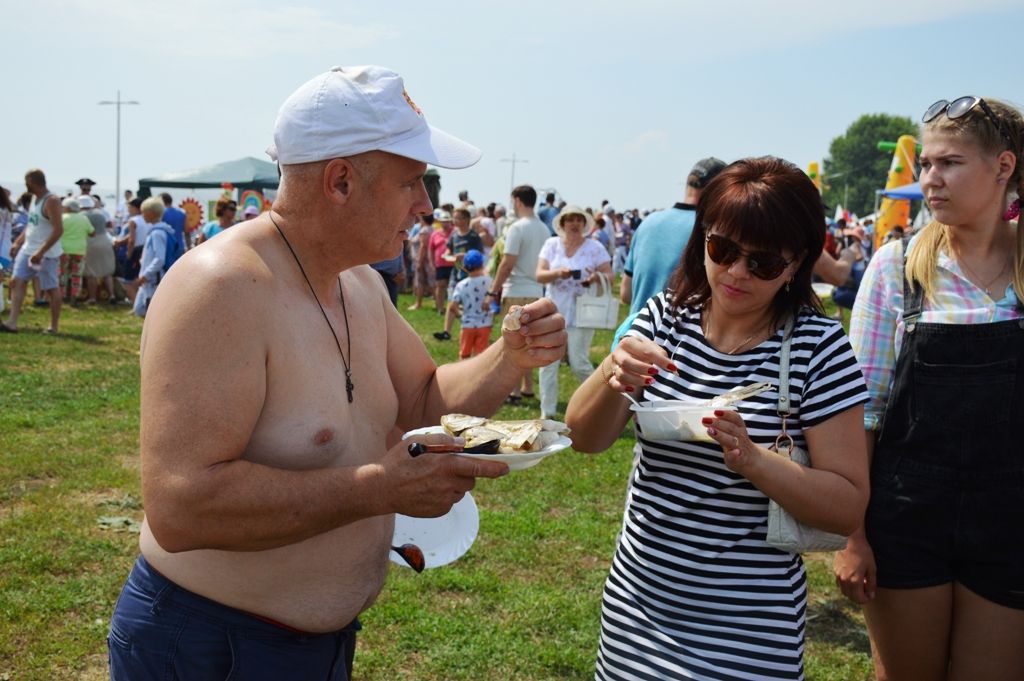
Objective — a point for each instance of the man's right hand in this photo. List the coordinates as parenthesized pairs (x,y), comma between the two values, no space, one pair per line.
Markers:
(36,258)
(427,486)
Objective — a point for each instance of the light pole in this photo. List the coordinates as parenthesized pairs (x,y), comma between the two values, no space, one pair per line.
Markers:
(117,177)
(513,161)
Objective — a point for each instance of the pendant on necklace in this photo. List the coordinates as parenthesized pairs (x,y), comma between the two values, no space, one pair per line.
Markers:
(349,386)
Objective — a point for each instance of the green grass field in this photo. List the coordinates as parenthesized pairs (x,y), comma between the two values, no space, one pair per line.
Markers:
(523,604)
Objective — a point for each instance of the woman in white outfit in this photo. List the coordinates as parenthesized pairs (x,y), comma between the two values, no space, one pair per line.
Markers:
(568,263)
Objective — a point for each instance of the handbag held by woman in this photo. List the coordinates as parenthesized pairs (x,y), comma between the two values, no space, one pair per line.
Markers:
(784,531)
(598,308)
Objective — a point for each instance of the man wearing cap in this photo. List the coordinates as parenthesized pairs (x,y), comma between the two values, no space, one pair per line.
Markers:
(438,246)
(659,242)
(85,185)
(271,459)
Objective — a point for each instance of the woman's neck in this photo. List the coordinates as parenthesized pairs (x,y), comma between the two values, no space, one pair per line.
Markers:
(732,333)
(573,241)
(981,239)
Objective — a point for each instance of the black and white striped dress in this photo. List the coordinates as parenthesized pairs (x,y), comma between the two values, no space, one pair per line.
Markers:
(694,591)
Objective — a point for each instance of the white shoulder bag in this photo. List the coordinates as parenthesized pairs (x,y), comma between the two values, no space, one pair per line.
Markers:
(598,308)
(784,531)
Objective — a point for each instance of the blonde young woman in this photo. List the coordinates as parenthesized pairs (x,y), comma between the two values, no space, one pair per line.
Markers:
(694,590)
(940,568)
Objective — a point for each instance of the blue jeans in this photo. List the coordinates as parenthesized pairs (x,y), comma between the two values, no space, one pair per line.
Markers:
(162,631)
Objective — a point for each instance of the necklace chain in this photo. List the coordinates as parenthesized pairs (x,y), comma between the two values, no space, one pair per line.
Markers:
(984,287)
(738,347)
(349,386)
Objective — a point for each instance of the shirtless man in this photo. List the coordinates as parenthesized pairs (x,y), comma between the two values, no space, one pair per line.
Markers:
(270,475)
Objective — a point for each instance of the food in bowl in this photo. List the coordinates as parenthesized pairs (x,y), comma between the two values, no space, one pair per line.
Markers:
(674,420)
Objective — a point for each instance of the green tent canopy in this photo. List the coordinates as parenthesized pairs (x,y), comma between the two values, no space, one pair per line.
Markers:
(245,173)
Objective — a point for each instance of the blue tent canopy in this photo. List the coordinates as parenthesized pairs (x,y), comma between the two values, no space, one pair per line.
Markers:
(908,191)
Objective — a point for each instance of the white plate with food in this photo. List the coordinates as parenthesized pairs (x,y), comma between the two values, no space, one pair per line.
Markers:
(442,540)
(520,444)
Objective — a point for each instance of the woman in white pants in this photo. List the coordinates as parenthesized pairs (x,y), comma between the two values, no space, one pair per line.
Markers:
(568,263)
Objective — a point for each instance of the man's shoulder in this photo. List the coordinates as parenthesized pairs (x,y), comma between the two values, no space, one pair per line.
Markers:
(530,224)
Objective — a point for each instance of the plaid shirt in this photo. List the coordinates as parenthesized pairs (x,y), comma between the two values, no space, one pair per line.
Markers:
(876,327)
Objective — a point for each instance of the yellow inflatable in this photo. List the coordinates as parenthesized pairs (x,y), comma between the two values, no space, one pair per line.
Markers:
(815,174)
(896,212)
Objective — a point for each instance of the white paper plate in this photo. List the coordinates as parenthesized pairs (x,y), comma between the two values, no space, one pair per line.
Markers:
(516,462)
(822,289)
(443,539)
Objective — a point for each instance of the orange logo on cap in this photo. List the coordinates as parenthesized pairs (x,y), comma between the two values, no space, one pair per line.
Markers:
(411,103)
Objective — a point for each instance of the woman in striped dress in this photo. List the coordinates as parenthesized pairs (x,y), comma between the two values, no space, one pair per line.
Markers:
(694,590)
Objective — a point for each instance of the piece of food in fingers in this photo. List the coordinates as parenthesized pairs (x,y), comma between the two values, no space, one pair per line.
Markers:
(512,319)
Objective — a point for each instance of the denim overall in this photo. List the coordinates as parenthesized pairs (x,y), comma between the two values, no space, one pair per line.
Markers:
(947,478)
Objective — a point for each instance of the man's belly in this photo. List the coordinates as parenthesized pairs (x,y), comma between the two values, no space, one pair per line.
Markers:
(318,585)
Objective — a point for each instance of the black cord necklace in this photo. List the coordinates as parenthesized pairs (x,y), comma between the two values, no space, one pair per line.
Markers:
(349,386)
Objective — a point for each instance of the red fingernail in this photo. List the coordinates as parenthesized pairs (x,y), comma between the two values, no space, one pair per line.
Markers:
(707,420)
(673,367)
(649,381)
(630,389)
(653,371)
(718,412)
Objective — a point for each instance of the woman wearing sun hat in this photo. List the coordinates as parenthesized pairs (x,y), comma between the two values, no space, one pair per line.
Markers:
(567,263)
(938,328)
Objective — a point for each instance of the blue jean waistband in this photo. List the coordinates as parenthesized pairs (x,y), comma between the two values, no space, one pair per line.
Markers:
(149,580)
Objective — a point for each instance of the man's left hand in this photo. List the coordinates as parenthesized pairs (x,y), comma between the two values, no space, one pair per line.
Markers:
(541,338)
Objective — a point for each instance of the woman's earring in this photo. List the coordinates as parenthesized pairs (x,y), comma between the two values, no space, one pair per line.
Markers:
(788,285)
(1013,212)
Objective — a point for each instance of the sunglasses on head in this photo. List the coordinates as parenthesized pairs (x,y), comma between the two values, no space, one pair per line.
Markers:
(960,107)
(762,264)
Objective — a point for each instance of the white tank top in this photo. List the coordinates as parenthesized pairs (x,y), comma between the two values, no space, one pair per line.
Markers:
(39,229)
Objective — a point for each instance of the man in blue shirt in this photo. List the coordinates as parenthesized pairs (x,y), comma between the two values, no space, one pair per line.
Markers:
(175,217)
(547,212)
(659,242)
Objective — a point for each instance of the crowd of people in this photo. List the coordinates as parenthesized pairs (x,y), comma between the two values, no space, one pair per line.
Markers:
(251,560)
(56,244)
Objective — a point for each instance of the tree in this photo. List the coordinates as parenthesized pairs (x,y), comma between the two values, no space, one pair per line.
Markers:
(855,167)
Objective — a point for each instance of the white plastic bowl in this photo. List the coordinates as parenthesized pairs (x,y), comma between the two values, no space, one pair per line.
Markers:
(674,420)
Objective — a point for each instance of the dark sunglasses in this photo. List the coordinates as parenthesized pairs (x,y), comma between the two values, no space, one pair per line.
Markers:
(960,107)
(762,264)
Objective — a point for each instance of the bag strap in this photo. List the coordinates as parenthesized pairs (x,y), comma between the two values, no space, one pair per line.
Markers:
(783,406)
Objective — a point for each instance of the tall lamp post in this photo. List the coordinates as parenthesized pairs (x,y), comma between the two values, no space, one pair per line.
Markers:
(117,177)
(513,161)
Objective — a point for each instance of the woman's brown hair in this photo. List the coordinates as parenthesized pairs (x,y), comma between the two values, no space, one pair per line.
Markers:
(768,204)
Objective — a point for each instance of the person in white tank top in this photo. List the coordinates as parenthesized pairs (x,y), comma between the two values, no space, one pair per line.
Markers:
(38,253)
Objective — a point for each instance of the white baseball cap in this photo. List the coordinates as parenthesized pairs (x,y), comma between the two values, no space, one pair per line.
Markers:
(352,110)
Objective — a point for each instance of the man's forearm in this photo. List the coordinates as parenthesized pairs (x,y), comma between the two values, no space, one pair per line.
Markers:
(475,386)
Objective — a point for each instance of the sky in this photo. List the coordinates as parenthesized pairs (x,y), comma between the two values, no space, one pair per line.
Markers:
(603,99)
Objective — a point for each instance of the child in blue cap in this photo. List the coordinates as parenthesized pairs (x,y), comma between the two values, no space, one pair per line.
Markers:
(477,316)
